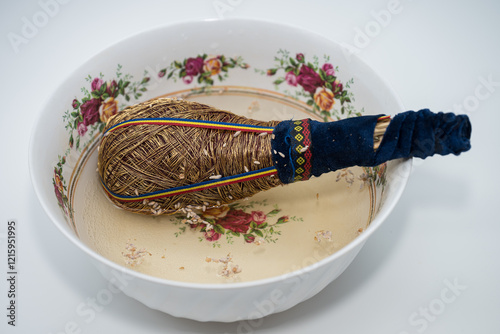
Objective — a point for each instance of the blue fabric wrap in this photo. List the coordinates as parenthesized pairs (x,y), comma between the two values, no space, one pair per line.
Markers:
(349,142)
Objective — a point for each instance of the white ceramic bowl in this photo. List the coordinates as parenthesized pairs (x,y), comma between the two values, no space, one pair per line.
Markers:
(235,64)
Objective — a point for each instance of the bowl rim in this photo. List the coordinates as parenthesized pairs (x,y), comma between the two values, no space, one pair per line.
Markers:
(60,223)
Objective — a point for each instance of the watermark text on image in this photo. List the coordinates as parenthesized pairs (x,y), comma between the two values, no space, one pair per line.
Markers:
(31,25)
(12,272)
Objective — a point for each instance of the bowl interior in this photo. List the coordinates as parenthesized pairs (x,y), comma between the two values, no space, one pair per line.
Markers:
(289,74)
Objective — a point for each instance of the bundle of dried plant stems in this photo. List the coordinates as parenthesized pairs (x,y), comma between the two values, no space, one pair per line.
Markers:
(142,159)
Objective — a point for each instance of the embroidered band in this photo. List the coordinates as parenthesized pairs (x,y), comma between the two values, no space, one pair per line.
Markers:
(301,154)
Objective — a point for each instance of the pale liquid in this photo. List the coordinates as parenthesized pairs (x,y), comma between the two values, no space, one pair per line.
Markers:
(319,204)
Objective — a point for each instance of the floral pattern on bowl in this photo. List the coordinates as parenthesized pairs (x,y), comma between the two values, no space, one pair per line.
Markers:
(203,68)
(91,112)
(318,85)
(239,220)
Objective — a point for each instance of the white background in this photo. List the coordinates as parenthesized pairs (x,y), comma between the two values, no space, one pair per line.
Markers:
(445,230)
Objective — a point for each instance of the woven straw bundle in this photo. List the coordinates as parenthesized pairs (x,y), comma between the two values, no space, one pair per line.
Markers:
(146,158)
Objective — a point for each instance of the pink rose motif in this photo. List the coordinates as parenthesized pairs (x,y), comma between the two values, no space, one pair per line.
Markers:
(328,68)
(300,57)
(96,84)
(187,79)
(236,221)
(194,66)
(211,235)
(283,219)
(75,104)
(59,196)
(259,217)
(82,129)
(162,73)
(90,111)
(309,79)
(291,78)
(337,87)
(112,88)
(249,238)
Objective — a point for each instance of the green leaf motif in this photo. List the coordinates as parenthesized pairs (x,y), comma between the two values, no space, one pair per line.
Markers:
(103,88)
(322,74)
(219,229)
(272,71)
(273,212)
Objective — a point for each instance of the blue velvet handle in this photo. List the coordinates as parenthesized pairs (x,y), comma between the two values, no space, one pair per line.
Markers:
(349,142)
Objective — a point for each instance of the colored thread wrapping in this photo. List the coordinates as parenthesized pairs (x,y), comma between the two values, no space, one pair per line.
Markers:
(177,166)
